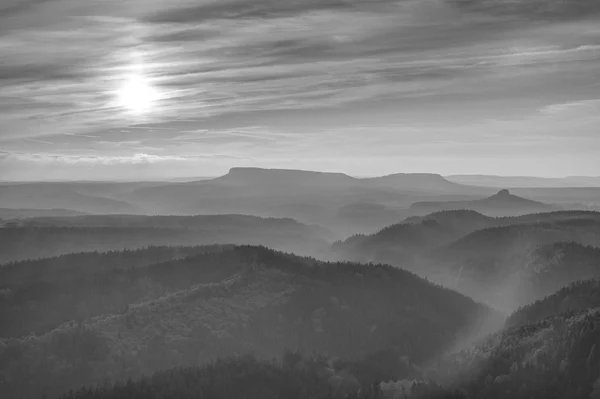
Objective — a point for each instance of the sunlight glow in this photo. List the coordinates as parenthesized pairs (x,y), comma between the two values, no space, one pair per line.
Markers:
(136,94)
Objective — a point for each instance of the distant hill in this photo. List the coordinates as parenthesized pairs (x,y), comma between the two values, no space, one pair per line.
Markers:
(365,217)
(220,303)
(492,259)
(398,244)
(524,181)
(501,204)
(278,178)
(44,237)
(418,182)
(310,197)
(345,205)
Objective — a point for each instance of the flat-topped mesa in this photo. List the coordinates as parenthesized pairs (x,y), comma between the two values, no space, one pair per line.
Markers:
(287,177)
(284,177)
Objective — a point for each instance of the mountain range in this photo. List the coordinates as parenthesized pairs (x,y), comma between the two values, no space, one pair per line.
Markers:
(343,204)
(412,303)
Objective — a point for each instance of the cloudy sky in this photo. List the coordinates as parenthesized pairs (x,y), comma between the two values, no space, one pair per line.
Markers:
(148,89)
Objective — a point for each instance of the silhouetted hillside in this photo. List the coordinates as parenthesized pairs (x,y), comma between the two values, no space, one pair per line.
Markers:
(43,237)
(245,300)
(501,204)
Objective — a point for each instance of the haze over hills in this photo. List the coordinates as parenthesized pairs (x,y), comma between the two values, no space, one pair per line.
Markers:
(525,181)
(299,199)
(52,236)
(217,303)
(341,203)
(553,358)
(98,317)
(496,260)
(502,203)
(65,196)
(576,297)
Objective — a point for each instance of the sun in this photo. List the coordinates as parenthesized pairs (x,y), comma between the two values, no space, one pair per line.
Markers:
(136,94)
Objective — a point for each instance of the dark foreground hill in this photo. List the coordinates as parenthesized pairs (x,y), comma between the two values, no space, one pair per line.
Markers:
(294,377)
(245,300)
(556,358)
(36,296)
(44,237)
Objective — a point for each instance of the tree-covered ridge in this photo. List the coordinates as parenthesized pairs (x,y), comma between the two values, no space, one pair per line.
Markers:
(576,297)
(38,295)
(46,237)
(520,274)
(75,265)
(294,377)
(557,357)
(463,231)
(496,264)
(242,300)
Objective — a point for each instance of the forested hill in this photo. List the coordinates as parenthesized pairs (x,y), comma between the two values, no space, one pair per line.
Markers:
(574,298)
(505,262)
(294,377)
(49,236)
(244,300)
(556,358)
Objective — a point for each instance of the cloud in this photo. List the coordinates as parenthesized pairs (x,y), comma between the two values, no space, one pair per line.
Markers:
(584,106)
(538,9)
(97,159)
(266,78)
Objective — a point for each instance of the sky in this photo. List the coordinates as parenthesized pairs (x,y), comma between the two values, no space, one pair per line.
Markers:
(151,90)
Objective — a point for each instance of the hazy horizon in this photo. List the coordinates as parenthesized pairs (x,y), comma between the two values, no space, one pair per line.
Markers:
(147,90)
(197,178)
